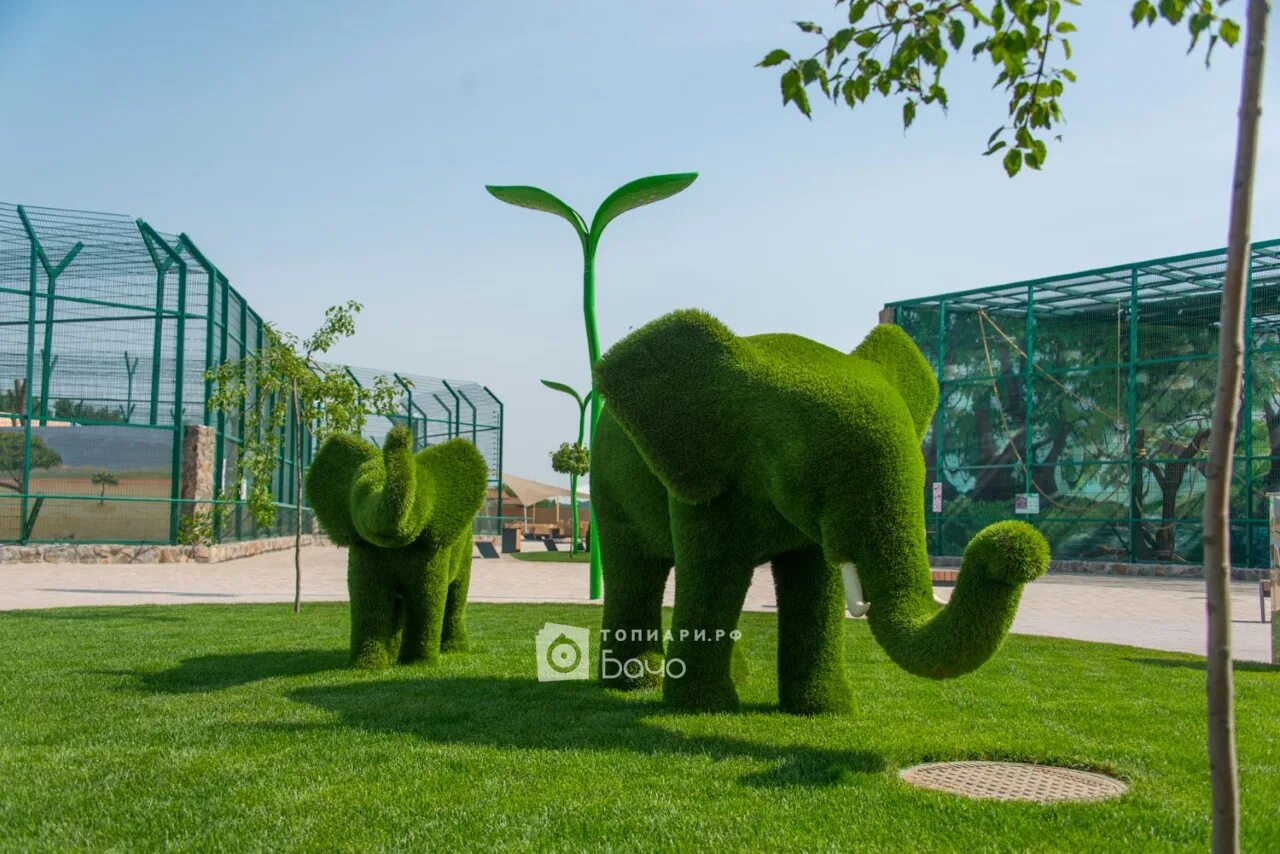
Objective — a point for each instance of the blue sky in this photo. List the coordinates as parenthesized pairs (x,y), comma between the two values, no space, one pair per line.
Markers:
(324,151)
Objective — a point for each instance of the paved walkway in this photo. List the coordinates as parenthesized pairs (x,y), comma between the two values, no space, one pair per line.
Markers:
(1165,614)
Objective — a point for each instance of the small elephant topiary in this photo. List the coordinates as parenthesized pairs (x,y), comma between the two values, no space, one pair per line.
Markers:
(406,519)
(717,453)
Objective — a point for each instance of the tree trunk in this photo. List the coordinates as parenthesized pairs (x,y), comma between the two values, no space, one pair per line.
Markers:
(1044,474)
(297,504)
(1217,508)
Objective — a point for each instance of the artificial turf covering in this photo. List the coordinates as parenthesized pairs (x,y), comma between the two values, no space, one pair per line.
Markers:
(239,727)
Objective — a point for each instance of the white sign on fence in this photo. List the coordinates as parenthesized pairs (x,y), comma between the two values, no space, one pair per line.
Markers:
(1026,503)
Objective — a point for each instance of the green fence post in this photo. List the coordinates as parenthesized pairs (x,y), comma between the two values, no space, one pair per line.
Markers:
(940,428)
(220,453)
(1135,497)
(448,415)
(457,408)
(26,407)
(1247,430)
(288,467)
(500,426)
(474,430)
(355,380)
(1028,391)
(179,398)
(213,275)
(408,407)
(174,259)
(162,271)
(51,273)
(426,420)
(130,366)
(257,396)
(244,351)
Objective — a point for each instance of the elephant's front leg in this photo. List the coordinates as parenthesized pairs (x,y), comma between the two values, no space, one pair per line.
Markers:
(711,586)
(376,612)
(425,603)
(811,677)
(631,647)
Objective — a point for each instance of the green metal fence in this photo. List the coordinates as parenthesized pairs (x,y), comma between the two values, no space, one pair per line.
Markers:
(1091,394)
(107,327)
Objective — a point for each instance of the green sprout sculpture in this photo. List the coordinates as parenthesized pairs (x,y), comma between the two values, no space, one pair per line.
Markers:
(573,466)
(719,453)
(406,520)
(643,191)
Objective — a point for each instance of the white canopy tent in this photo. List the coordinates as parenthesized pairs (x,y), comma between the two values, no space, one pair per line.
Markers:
(530,492)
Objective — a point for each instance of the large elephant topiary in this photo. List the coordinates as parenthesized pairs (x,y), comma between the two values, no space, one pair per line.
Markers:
(406,519)
(719,453)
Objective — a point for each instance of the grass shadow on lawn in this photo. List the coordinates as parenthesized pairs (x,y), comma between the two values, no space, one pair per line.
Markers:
(94,615)
(510,713)
(216,672)
(1194,664)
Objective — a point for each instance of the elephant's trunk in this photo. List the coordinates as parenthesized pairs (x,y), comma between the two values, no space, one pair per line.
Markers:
(928,639)
(391,498)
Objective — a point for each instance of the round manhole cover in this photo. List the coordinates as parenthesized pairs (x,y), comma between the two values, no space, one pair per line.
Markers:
(1014,781)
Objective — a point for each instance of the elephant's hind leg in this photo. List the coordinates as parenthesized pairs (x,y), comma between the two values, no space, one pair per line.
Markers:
(631,649)
(811,677)
(454,635)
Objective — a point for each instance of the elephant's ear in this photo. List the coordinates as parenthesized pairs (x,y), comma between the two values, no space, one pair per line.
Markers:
(329,482)
(459,475)
(668,384)
(904,366)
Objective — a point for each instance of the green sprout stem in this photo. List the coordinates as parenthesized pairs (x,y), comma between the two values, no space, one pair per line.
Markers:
(643,191)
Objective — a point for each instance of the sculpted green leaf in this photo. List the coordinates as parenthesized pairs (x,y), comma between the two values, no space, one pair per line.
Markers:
(643,191)
(563,388)
(537,199)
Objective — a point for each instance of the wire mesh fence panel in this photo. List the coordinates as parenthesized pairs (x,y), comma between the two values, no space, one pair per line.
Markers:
(107,330)
(1082,404)
(437,410)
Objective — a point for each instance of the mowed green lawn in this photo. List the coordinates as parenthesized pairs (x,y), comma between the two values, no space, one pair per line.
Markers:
(239,728)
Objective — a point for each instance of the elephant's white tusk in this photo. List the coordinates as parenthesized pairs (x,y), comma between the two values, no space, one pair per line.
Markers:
(853,590)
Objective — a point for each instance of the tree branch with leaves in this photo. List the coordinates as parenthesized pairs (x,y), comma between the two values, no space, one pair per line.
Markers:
(900,49)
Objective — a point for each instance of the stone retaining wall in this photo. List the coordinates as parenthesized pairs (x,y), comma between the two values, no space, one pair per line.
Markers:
(1158,570)
(109,554)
